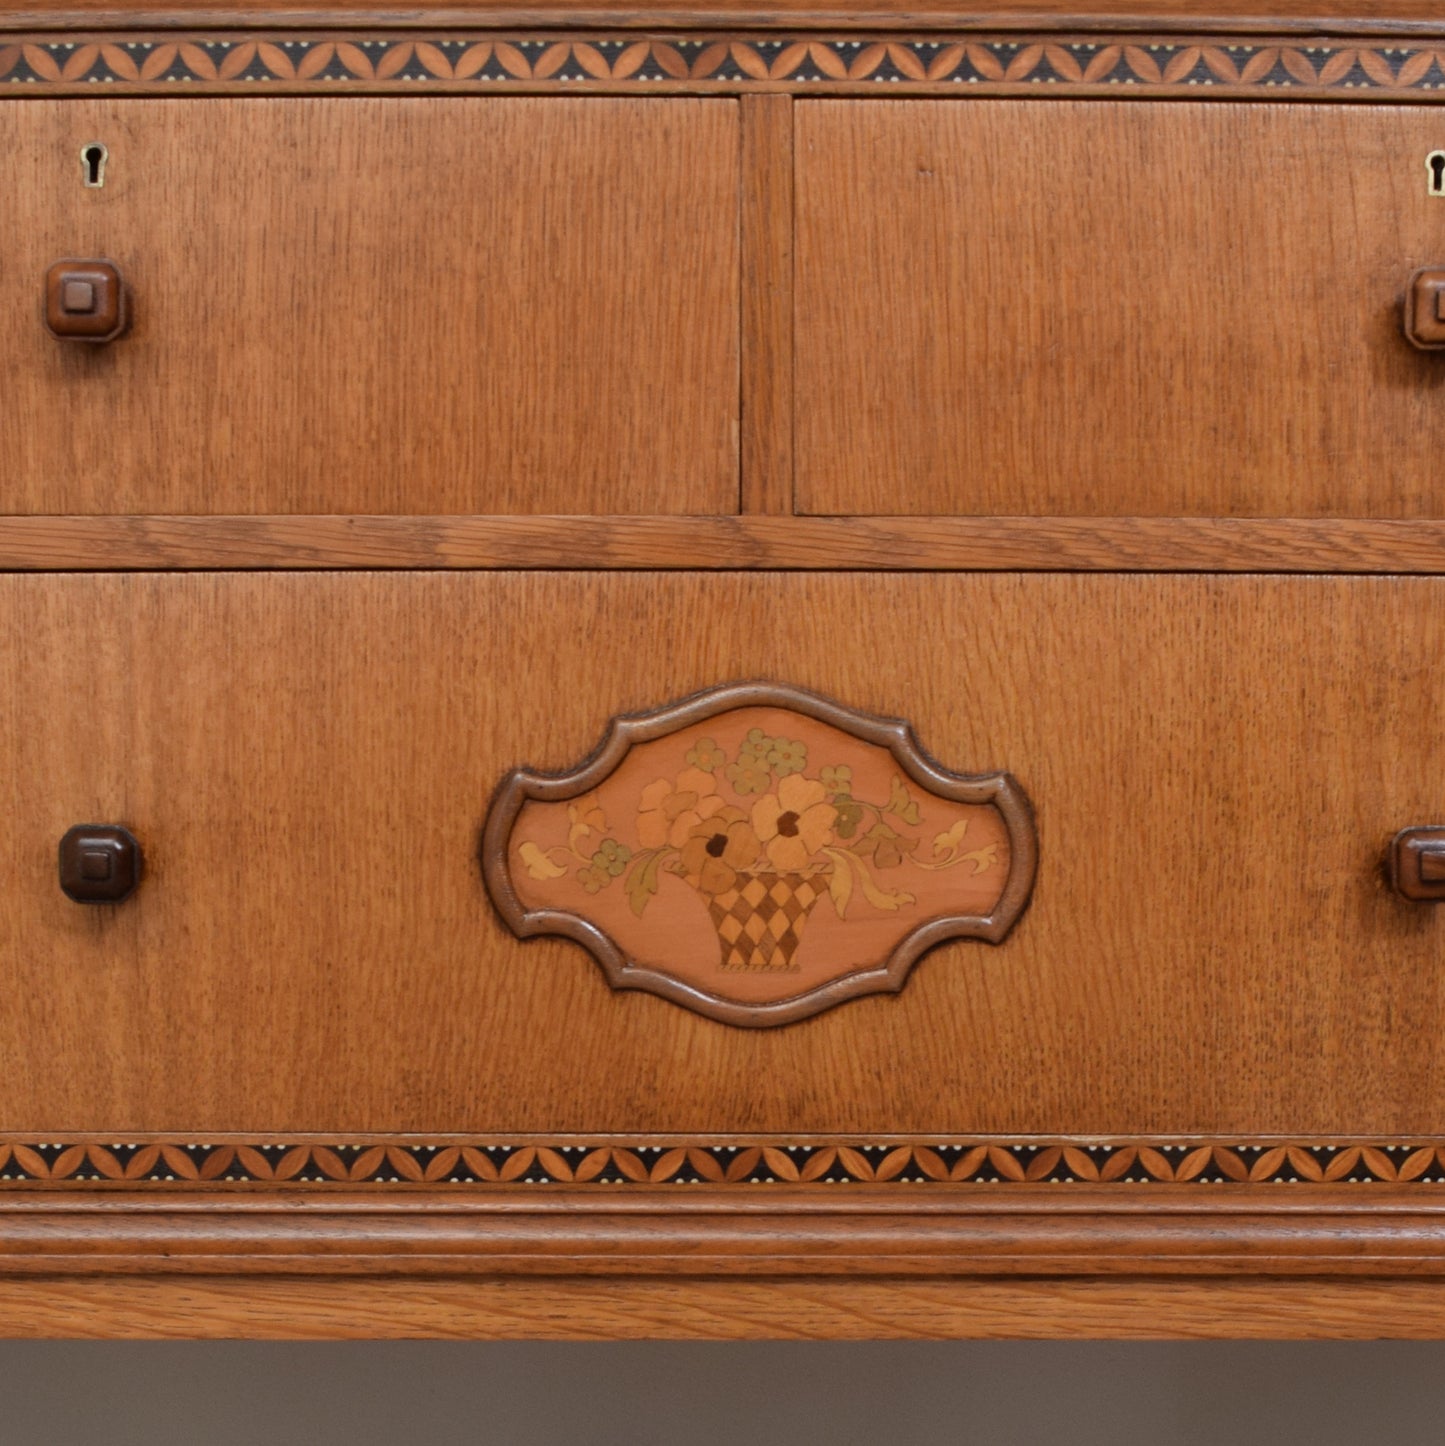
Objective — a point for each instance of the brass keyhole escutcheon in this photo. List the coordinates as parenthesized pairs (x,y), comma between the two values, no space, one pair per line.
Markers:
(93,160)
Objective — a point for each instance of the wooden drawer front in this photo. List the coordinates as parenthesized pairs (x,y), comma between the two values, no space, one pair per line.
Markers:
(378,305)
(1047,307)
(1217,767)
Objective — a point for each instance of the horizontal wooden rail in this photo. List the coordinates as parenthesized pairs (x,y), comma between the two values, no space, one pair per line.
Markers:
(1399,19)
(940,544)
(189,1307)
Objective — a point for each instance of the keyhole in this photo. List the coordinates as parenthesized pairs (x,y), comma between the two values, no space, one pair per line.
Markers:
(1435,165)
(93,157)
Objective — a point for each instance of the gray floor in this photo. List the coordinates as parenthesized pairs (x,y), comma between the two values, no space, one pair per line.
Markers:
(64,1394)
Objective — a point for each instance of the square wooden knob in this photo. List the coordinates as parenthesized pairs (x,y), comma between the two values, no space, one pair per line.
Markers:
(100,863)
(1417,864)
(85,301)
(1425,309)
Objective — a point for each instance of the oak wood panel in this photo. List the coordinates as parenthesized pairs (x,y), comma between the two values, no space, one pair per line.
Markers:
(767,228)
(1102,308)
(826,544)
(1217,765)
(187,1308)
(379,305)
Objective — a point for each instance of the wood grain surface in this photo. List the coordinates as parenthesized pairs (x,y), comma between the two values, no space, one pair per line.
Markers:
(330,314)
(777,1232)
(184,1307)
(1050,336)
(1369,16)
(1217,766)
(750,543)
(767,341)
(1083,308)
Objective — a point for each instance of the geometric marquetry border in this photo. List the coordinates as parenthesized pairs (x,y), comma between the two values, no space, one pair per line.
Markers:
(960,1163)
(200,61)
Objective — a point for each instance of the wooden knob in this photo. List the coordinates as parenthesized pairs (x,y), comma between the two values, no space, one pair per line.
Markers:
(100,863)
(1417,864)
(1425,308)
(85,301)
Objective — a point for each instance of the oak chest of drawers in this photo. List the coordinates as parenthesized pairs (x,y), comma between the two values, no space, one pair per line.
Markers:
(709,674)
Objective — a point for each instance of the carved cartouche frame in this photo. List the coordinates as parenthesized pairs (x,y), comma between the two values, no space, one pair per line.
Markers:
(997,789)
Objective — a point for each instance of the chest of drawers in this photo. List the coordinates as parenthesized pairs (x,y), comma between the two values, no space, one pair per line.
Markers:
(721,675)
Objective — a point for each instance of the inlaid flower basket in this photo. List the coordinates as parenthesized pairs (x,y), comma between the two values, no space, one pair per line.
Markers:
(757,847)
(760,920)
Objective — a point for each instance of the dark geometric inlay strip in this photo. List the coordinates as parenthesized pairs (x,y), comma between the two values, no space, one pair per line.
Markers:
(801,61)
(962,1162)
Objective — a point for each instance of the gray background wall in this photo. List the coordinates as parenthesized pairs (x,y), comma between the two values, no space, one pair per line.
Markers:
(793,1394)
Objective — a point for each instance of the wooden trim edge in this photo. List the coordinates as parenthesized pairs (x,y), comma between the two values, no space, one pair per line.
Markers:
(1004,1232)
(492,17)
(816,544)
(190,1307)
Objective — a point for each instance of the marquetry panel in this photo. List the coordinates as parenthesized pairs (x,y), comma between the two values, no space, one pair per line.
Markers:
(1099,308)
(691,853)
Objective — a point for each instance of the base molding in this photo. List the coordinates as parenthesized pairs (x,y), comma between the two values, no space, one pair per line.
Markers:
(290,1308)
(779,1231)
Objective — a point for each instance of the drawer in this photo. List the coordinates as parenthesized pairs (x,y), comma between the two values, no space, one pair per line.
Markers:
(1217,767)
(1096,307)
(377,305)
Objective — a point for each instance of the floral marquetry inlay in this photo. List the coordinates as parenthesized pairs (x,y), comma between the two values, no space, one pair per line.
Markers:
(759,854)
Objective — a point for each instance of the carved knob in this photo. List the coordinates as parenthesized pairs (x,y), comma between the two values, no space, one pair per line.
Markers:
(85,301)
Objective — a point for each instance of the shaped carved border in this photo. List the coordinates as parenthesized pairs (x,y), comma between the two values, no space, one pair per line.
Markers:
(997,790)
(393,1161)
(202,61)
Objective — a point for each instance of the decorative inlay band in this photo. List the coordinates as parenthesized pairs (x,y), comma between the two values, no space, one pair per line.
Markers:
(727,63)
(388,1161)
